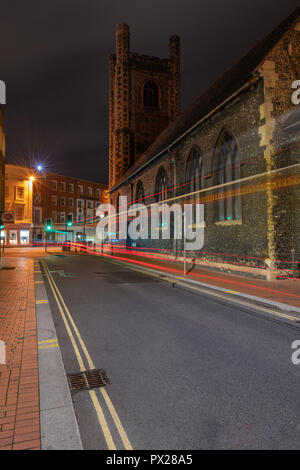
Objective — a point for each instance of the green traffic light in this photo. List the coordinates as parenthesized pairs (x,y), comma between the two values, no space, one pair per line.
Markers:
(48,227)
(69,224)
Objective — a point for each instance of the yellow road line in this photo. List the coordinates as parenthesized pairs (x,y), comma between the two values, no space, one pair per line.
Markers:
(47,346)
(48,341)
(108,402)
(102,421)
(38,282)
(43,301)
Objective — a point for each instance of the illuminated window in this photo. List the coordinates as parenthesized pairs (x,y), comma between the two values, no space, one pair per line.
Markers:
(20,193)
(228,169)
(194,178)
(161,185)
(151,94)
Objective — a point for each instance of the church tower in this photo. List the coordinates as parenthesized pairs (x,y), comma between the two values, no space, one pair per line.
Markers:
(144,98)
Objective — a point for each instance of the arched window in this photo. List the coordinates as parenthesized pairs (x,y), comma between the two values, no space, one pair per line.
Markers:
(194,178)
(227,169)
(151,94)
(139,195)
(161,185)
(194,172)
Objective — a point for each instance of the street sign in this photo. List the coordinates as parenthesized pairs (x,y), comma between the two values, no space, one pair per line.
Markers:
(7,217)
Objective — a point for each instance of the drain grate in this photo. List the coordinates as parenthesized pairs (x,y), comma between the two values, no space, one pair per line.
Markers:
(87,380)
(7,268)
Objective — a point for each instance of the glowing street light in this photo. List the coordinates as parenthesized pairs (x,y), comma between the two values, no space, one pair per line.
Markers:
(32,178)
(39,167)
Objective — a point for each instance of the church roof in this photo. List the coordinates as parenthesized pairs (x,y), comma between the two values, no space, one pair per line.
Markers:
(230,82)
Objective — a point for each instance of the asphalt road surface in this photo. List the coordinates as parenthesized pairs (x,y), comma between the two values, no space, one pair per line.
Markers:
(186,370)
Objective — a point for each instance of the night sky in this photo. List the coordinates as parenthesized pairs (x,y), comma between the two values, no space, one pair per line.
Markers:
(54,60)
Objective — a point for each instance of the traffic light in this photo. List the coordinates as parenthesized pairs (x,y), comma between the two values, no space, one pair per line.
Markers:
(1,226)
(69,220)
(49,224)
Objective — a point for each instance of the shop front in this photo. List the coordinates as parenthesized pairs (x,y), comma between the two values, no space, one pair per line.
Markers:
(14,235)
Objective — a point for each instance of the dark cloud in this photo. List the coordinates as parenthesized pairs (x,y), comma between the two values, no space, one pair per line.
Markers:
(54,60)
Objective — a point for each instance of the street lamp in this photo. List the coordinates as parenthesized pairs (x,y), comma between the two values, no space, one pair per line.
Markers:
(31,178)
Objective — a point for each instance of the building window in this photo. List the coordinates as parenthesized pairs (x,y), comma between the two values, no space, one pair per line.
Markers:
(151,94)
(194,178)
(90,191)
(37,215)
(53,200)
(71,217)
(63,201)
(19,212)
(71,202)
(20,193)
(80,189)
(98,193)
(161,185)
(139,195)
(62,216)
(90,204)
(228,169)
(71,187)
(6,191)
(54,217)
(24,237)
(54,185)
(62,186)
(37,198)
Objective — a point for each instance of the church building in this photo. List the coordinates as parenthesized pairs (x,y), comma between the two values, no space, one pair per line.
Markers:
(235,149)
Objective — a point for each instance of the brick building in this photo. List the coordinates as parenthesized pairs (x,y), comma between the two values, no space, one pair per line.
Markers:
(236,148)
(37,197)
(18,203)
(57,197)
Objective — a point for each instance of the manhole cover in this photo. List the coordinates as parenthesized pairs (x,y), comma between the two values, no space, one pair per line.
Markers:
(87,380)
(7,268)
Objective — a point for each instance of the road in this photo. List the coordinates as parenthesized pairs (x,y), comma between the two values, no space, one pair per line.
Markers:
(186,370)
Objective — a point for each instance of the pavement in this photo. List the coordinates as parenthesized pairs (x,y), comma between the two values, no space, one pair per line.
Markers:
(36,408)
(193,362)
(19,392)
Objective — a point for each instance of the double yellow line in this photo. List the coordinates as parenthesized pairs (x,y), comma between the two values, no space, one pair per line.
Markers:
(70,324)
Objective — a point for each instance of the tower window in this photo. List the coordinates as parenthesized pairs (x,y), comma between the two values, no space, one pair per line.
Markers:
(151,94)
